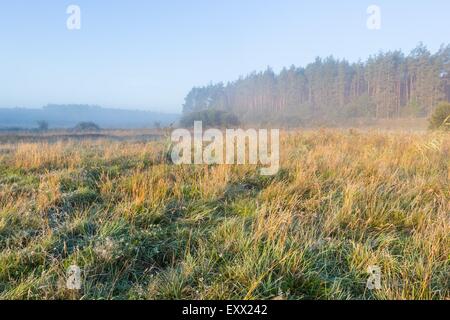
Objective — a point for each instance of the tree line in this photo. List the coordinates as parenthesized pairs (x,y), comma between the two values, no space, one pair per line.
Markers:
(386,85)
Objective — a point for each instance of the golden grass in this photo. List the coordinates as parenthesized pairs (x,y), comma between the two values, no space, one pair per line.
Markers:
(141,228)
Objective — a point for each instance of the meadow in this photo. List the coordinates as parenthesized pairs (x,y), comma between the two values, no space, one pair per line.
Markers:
(140,227)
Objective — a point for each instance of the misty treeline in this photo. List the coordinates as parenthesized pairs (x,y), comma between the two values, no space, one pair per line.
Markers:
(387,85)
(68,116)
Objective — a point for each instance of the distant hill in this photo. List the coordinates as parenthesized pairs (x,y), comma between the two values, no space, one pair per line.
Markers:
(67,116)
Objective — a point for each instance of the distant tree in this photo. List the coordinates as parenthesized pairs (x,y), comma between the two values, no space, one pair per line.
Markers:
(157,125)
(87,126)
(42,125)
(440,119)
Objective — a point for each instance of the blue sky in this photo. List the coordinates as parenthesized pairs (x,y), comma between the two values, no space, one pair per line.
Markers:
(143,54)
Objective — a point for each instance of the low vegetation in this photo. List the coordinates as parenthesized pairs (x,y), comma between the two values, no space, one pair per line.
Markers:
(210,118)
(440,118)
(87,126)
(141,228)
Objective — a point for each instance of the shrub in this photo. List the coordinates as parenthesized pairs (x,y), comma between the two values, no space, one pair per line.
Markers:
(440,119)
(360,107)
(210,118)
(42,125)
(87,126)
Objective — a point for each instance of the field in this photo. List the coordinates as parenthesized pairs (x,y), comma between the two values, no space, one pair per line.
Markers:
(142,228)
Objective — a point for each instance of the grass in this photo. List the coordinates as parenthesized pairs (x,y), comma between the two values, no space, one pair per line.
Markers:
(141,228)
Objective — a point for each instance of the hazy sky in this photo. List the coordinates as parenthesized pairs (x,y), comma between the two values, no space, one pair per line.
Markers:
(145,54)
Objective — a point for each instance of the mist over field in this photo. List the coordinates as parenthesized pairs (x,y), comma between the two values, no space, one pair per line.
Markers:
(328,92)
(68,116)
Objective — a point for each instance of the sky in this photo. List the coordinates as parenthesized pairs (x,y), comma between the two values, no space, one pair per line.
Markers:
(147,54)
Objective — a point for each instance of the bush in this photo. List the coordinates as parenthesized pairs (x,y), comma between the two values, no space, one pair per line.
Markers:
(210,118)
(87,126)
(440,119)
(360,107)
(42,125)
